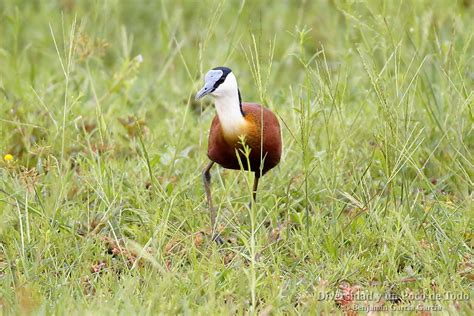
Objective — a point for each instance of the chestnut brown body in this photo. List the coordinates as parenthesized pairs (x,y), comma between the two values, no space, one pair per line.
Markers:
(261,133)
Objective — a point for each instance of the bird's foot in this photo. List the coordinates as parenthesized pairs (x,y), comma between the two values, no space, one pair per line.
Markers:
(217,238)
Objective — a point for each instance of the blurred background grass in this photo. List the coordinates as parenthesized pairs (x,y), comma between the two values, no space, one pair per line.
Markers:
(102,206)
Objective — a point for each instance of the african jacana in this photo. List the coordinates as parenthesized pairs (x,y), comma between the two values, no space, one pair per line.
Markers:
(257,125)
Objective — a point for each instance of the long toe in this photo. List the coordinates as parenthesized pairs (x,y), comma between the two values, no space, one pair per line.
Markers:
(217,238)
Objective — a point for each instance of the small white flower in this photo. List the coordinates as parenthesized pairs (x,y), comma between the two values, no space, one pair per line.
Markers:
(139,58)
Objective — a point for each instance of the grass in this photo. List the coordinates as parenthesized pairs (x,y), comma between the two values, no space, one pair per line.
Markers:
(103,209)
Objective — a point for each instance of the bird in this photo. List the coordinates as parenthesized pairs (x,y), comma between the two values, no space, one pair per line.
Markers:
(235,121)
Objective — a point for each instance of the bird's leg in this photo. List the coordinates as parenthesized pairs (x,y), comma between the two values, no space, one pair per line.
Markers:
(255,186)
(254,191)
(206,178)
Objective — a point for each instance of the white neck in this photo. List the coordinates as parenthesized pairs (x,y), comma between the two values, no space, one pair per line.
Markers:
(228,111)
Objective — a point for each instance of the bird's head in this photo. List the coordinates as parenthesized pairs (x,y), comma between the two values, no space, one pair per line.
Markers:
(219,82)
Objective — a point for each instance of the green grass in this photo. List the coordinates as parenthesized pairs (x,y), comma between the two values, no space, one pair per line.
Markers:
(374,190)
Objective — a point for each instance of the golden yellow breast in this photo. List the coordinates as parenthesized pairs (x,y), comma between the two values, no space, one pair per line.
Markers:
(248,131)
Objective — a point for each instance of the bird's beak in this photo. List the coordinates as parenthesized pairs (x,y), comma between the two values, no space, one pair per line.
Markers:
(208,88)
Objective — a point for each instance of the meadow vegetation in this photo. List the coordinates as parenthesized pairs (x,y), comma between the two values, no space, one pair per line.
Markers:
(102,145)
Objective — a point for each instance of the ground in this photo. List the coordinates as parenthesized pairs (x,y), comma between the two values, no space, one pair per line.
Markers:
(102,145)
